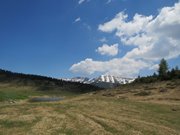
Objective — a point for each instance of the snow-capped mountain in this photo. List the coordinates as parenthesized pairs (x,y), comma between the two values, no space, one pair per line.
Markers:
(78,79)
(109,81)
(104,81)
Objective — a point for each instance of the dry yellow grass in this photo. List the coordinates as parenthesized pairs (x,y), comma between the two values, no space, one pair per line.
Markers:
(119,112)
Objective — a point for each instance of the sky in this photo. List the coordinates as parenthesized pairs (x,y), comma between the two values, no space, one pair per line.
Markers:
(69,38)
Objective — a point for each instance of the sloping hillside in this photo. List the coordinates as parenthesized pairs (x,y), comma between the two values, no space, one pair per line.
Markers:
(134,109)
(159,91)
(20,86)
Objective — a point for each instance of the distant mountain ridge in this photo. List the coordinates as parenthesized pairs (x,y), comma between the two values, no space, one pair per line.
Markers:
(43,83)
(104,81)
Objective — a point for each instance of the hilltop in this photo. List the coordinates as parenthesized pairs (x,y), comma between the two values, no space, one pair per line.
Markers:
(20,86)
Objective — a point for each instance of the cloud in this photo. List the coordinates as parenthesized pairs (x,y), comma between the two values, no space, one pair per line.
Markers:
(117,66)
(87,26)
(108,1)
(154,67)
(81,1)
(151,38)
(122,27)
(103,40)
(110,50)
(77,20)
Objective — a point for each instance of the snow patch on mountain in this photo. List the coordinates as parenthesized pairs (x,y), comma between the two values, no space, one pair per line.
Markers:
(102,81)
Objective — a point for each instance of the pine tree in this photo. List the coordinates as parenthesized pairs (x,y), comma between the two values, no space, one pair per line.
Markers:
(176,68)
(154,75)
(163,69)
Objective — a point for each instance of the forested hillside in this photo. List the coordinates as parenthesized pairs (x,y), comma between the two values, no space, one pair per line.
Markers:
(43,83)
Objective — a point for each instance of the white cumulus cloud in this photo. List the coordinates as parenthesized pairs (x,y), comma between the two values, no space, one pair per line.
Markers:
(151,37)
(154,37)
(117,66)
(110,50)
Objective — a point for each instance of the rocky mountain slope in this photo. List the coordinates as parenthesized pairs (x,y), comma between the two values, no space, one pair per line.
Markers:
(104,81)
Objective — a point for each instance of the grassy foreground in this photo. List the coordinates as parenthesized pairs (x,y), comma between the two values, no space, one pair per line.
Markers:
(140,109)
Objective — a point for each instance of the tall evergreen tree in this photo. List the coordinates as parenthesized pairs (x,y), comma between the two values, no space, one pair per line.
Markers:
(176,68)
(163,69)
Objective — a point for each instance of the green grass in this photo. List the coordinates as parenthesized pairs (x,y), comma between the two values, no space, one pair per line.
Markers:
(12,124)
(92,113)
(12,95)
(147,118)
(16,93)
(12,92)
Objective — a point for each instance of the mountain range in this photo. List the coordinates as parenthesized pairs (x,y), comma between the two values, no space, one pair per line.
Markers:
(103,81)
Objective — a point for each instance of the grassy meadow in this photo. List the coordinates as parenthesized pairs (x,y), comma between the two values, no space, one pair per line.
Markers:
(146,109)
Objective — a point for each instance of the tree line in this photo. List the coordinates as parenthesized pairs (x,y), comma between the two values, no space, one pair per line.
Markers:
(163,73)
(43,82)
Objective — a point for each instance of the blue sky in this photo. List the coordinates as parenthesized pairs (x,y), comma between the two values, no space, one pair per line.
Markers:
(67,38)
